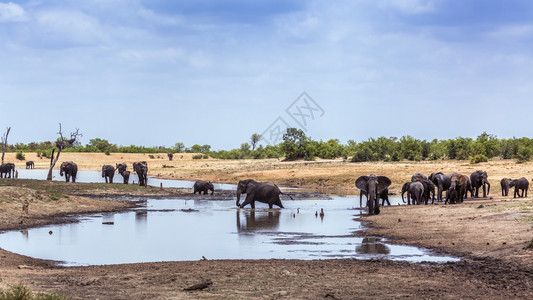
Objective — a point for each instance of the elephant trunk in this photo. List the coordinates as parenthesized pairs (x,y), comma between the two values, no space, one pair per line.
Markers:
(238,203)
(488,188)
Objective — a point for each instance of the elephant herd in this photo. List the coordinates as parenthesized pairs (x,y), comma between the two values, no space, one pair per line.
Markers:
(141,168)
(422,188)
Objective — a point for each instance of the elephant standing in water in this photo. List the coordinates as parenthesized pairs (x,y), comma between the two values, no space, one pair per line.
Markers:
(30,164)
(374,186)
(415,191)
(203,186)
(141,168)
(521,184)
(265,192)
(506,185)
(70,169)
(478,179)
(121,168)
(108,172)
(6,170)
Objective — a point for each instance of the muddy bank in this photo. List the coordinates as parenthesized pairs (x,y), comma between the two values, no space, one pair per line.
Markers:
(500,228)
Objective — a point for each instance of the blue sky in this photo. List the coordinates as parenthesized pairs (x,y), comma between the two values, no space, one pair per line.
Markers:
(154,72)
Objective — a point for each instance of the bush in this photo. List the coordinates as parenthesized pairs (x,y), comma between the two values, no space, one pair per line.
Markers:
(46,153)
(476,159)
(205,156)
(151,156)
(107,152)
(523,154)
(20,155)
(20,291)
(197,156)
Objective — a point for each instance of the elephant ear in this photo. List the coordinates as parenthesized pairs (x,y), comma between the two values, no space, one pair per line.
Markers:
(383,183)
(360,183)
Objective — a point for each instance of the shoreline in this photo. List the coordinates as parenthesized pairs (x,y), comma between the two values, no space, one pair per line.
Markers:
(489,235)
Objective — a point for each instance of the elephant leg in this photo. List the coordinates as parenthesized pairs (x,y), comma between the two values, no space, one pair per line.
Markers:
(278,203)
(376,207)
(270,205)
(249,200)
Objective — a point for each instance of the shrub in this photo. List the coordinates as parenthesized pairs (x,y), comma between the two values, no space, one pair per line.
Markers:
(197,156)
(523,154)
(107,152)
(205,156)
(478,158)
(20,291)
(20,155)
(46,153)
(151,156)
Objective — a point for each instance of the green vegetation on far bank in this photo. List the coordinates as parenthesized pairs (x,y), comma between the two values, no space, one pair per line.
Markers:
(296,145)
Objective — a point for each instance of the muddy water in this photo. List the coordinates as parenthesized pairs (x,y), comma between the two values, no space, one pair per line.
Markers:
(177,229)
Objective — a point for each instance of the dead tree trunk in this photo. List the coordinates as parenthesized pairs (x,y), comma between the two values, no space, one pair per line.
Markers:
(4,143)
(61,144)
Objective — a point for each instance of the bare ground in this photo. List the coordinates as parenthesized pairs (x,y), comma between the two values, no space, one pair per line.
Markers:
(492,236)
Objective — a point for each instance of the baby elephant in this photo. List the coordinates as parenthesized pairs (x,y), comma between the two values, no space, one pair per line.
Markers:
(203,186)
(30,164)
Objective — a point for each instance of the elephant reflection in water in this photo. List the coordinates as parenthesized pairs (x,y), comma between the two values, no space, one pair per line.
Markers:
(257,220)
(372,245)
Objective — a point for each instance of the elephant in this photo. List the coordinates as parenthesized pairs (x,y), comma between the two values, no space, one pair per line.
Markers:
(203,186)
(478,179)
(30,164)
(108,172)
(141,168)
(6,170)
(266,192)
(429,187)
(458,187)
(70,169)
(416,192)
(384,196)
(126,176)
(170,156)
(521,184)
(506,185)
(374,186)
(121,168)
(442,182)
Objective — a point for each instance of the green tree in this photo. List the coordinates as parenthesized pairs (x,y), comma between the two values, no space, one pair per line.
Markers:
(196,148)
(294,144)
(254,139)
(101,144)
(179,147)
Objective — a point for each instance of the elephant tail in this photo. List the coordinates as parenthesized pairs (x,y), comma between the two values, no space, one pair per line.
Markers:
(281,193)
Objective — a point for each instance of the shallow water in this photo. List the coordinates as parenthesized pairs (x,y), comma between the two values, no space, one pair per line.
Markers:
(178,230)
(95,176)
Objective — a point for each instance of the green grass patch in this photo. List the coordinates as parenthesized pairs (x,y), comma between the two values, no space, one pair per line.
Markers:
(22,292)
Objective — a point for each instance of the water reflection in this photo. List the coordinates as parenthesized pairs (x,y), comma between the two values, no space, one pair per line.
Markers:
(252,220)
(372,245)
(176,229)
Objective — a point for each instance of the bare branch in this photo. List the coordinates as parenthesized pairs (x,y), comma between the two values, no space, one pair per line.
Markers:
(4,143)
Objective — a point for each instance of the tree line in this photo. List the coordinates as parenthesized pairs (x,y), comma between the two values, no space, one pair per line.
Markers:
(297,145)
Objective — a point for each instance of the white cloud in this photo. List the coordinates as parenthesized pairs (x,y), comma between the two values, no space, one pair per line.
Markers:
(11,12)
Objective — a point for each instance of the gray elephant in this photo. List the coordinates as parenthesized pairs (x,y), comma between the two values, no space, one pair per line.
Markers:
(121,168)
(384,196)
(505,183)
(108,172)
(6,170)
(429,187)
(478,179)
(442,182)
(457,190)
(374,186)
(415,192)
(141,168)
(203,186)
(266,192)
(170,156)
(521,184)
(70,169)
(30,164)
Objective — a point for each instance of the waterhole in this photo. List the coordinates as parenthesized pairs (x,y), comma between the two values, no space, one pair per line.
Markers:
(178,229)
